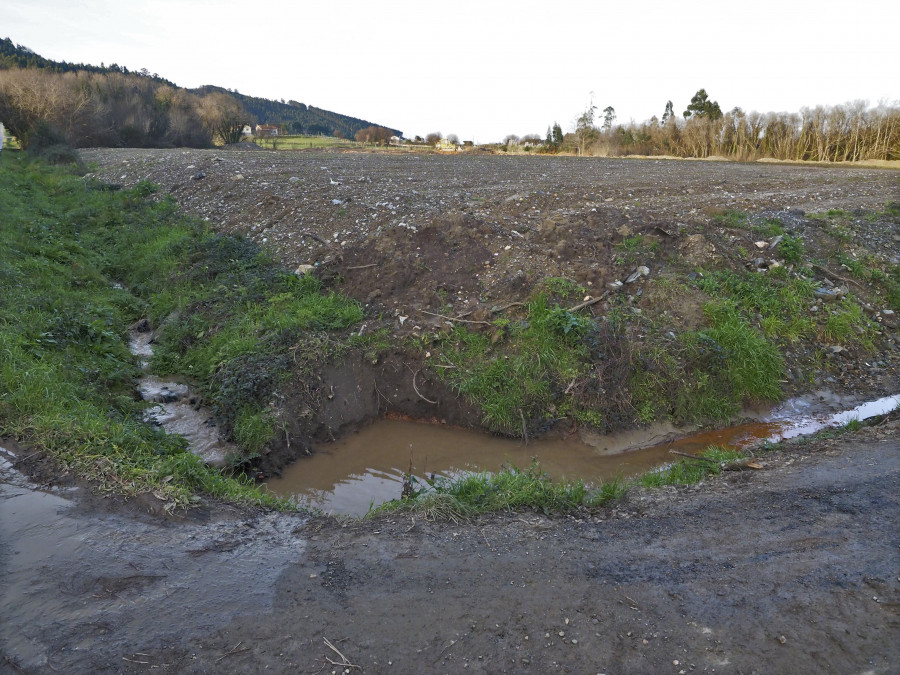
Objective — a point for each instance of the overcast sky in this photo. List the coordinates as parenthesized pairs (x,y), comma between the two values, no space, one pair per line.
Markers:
(483,69)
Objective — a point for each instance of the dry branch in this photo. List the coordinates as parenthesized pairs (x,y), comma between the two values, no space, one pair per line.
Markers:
(450,318)
(427,400)
(588,303)
(836,277)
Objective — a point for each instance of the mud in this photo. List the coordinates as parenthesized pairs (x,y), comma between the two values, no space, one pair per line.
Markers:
(790,569)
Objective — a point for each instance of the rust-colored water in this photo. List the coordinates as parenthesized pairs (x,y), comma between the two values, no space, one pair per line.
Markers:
(367,467)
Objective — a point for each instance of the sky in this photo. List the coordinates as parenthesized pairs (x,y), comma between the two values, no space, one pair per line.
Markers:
(483,69)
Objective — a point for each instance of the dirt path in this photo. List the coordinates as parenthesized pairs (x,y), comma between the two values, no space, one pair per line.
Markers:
(790,569)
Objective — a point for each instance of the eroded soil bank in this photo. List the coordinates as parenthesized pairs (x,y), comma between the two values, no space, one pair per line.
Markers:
(792,568)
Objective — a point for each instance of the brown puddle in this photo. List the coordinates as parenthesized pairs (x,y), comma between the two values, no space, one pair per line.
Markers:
(367,468)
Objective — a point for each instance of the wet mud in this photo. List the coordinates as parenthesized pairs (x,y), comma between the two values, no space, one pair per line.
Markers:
(790,569)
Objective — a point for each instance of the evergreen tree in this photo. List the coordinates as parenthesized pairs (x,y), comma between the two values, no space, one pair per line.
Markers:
(701,106)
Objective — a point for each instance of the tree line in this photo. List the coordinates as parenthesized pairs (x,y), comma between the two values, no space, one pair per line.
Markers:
(840,133)
(86,106)
(112,109)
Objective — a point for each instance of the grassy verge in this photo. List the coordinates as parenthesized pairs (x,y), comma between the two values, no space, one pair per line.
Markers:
(305,142)
(80,263)
(514,489)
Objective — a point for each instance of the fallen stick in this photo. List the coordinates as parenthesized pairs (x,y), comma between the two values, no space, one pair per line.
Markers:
(452,643)
(450,318)
(428,400)
(346,662)
(25,459)
(497,310)
(362,267)
(741,465)
(690,456)
(312,235)
(588,303)
(831,275)
(234,650)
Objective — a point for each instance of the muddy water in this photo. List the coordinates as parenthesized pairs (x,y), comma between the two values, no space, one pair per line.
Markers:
(367,468)
(74,575)
(175,409)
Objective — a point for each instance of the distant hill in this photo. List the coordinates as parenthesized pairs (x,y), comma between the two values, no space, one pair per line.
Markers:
(296,117)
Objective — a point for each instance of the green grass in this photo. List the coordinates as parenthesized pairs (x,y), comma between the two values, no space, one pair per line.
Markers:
(78,264)
(782,304)
(791,249)
(305,142)
(731,218)
(513,489)
(690,471)
(516,382)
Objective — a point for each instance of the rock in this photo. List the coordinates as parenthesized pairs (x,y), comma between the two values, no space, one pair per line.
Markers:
(373,295)
(336,202)
(303,269)
(761,244)
(697,250)
(835,349)
(887,312)
(293,179)
(639,272)
(199,176)
(826,295)
(777,240)
(237,176)
(616,284)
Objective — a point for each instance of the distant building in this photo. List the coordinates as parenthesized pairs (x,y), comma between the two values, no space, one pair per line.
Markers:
(446,146)
(396,140)
(266,130)
(247,130)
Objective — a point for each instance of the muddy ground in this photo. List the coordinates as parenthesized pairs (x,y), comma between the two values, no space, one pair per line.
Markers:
(792,568)
(411,232)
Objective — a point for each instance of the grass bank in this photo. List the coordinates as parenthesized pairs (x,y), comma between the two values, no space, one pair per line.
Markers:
(79,264)
(515,489)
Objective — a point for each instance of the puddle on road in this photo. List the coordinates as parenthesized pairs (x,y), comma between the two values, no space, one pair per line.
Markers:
(367,467)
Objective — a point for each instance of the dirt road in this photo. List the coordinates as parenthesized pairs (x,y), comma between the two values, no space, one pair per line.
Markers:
(791,569)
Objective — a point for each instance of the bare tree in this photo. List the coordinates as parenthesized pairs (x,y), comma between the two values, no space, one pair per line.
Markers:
(585,132)
(224,116)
